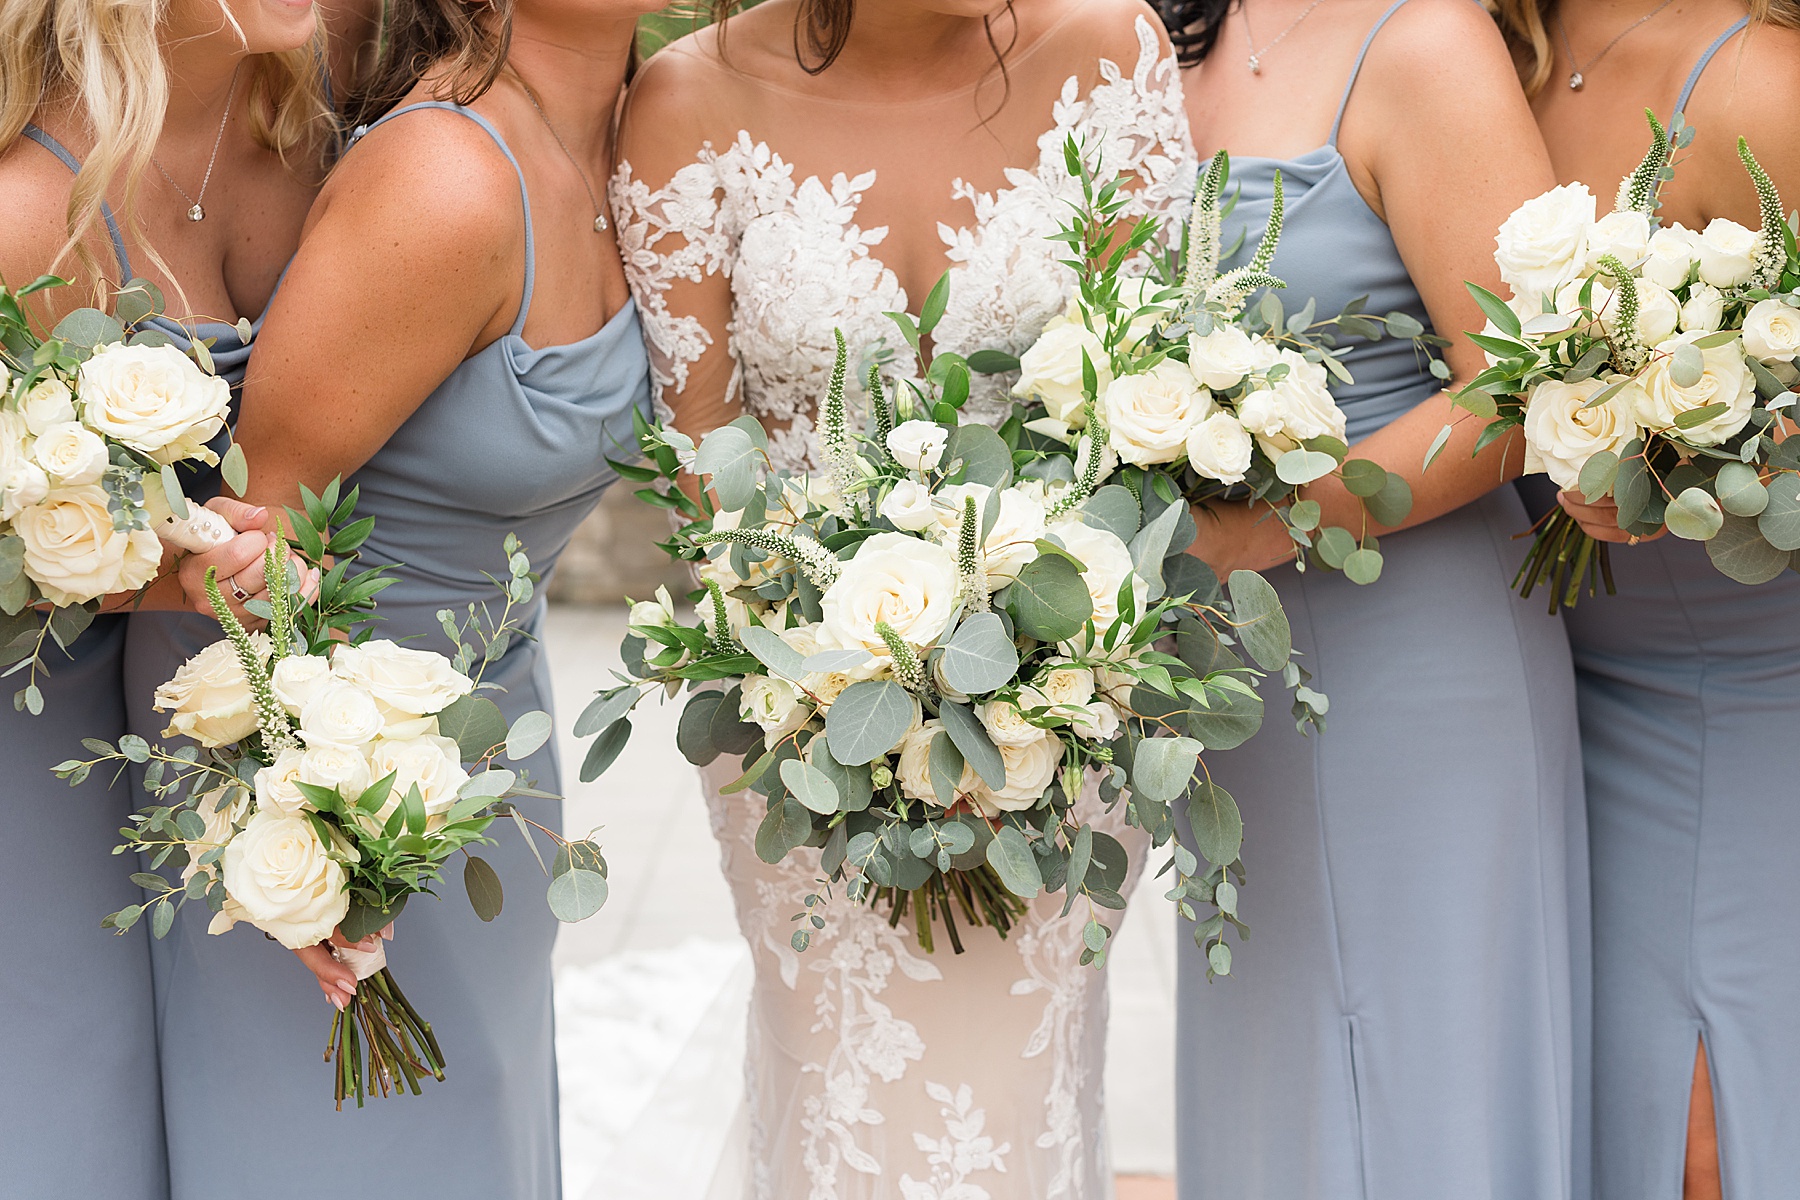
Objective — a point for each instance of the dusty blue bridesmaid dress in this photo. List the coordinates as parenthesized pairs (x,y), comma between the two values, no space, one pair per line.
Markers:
(1689,688)
(515,440)
(1408,1020)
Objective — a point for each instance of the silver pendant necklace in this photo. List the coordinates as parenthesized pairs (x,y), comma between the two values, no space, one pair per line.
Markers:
(1578,71)
(1256,56)
(195,212)
(599,214)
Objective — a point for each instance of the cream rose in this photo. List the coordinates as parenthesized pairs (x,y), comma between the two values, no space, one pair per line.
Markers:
(653,614)
(1658,310)
(339,767)
(1772,331)
(1220,448)
(416,682)
(340,714)
(1030,768)
(1051,370)
(1727,253)
(298,678)
(1289,412)
(774,705)
(71,454)
(1018,525)
(22,482)
(1006,723)
(1543,244)
(1671,256)
(1625,235)
(1098,721)
(1108,565)
(1704,310)
(913,771)
(907,582)
(73,553)
(209,698)
(1149,416)
(275,790)
(48,404)
(1061,683)
(431,763)
(1564,433)
(918,445)
(1227,356)
(153,399)
(908,505)
(283,880)
(1724,380)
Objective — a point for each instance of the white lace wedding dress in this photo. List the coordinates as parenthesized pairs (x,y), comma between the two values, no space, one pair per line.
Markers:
(876,1071)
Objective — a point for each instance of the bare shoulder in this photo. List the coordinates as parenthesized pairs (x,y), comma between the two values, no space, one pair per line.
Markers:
(1115,29)
(34,194)
(1441,56)
(690,92)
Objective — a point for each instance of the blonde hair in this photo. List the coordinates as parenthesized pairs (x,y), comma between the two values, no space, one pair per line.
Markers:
(104,57)
(1525,25)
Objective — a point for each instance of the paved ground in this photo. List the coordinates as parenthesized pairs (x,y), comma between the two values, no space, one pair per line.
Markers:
(651,990)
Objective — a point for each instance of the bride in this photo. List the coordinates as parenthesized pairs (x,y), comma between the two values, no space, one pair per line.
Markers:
(810,165)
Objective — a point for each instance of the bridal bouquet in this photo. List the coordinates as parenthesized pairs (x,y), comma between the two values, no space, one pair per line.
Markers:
(1193,389)
(926,651)
(331,778)
(1651,364)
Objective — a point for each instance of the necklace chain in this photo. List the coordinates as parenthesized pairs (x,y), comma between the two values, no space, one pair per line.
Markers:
(195,212)
(1256,56)
(1577,70)
(599,215)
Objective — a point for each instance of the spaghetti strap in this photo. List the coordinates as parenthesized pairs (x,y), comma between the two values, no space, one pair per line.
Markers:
(1356,69)
(357,134)
(1687,89)
(74,164)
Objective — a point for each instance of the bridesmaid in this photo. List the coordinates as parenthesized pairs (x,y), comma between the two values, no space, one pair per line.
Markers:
(106,113)
(1409,1021)
(455,336)
(1688,682)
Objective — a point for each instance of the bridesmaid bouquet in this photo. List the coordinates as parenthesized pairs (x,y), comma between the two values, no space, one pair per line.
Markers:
(94,420)
(330,779)
(1651,364)
(928,649)
(1196,391)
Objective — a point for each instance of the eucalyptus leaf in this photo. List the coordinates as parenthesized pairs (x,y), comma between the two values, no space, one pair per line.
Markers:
(605,749)
(1114,509)
(528,734)
(985,457)
(1011,857)
(785,828)
(1741,491)
(577,895)
(1304,466)
(944,765)
(977,749)
(869,719)
(1598,474)
(1362,566)
(693,733)
(854,784)
(1694,515)
(475,724)
(1161,768)
(1217,825)
(1049,601)
(604,709)
(1740,552)
(775,654)
(1687,365)
(811,786)
(1780,519)
(483,886)
(730,456)
(979,657)
(1151,546)
(1262,627)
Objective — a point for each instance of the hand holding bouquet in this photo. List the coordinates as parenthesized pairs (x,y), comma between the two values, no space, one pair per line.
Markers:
(1650,364)
(94,420)
(330,779)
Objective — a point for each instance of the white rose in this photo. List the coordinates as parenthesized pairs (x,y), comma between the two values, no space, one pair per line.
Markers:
(1658,310)
(1006,724)
(416,682)
(431,763)
(1226,356)
(340,714)
(654,614)
(1704,311)
(283,880)
(1051,370)
(71,454)
(913,771)
(339,767)
(1772,331)
(1671,256)
(153,399)
(1727,253)
(298,678)
(1220,448)
(209,698)
(22,482)
(49,403)
(1061,683)
(907,582)
(1624,235)
(1138,292)
(1098,721)
(1724,380)
(918,445)
(1543,245)
(275,788)
(73,553)
(1108,565)
(737,614)
(1302,368)
(1149,416)
(908,505)
(1288,412)
(1030,768)
(1018,525)
(1564,433)
(802,639)
(774,704)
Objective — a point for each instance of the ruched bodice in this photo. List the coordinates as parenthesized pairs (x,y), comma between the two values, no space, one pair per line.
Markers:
(1334,249)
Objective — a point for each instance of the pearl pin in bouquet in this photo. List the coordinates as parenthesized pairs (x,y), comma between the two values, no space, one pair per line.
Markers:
(94,422)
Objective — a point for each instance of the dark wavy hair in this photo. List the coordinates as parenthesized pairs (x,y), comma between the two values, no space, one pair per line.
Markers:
(1194,25)
(416,35)
(821,27)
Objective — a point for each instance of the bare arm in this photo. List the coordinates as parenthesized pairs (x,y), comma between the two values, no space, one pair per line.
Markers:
(1439,133)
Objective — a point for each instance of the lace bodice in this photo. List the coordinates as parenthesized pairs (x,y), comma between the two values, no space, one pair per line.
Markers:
(802,260)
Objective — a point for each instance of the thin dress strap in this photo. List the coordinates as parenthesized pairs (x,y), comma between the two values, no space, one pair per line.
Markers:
(524,195)
(1356,69)
(74,164)
(1687,89)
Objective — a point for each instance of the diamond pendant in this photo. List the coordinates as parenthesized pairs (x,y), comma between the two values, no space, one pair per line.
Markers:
(196,213)
(600,223)
(1255,65)
(1575,82)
